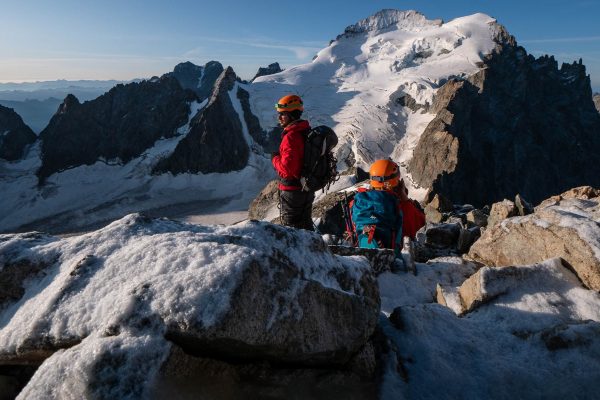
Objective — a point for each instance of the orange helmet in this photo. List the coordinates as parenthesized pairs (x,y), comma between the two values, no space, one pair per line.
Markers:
(384,174)
(290,102)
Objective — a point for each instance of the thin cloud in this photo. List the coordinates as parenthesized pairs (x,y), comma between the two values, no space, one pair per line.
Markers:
(301,51)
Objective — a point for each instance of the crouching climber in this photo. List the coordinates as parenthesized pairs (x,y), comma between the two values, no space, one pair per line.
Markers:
(383,214)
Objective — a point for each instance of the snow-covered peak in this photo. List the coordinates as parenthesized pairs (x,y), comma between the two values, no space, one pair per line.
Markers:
(404,20)
(357,85)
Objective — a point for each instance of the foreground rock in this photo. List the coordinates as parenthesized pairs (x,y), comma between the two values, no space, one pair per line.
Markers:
(532,333)
(205,378)
(562,227)
(262,206)
(253,292)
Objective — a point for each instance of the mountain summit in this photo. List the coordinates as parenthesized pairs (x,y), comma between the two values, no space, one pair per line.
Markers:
(410,21)
(361,81)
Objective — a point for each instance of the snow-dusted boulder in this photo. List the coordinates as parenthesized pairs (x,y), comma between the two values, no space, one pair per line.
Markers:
(110,367)
(490,282)
(581,192)
(540,333)
(250,291)
(564,227)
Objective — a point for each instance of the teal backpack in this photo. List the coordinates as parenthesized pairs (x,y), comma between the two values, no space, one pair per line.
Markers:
(377,220)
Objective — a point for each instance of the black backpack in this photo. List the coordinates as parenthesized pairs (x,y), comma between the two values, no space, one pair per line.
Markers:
(320,165)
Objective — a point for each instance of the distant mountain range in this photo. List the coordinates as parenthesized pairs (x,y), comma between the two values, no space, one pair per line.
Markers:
(36,102)
(35,113)
(60,84)
(464,110)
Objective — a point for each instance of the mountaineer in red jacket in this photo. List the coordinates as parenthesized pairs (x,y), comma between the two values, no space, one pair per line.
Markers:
(295,204)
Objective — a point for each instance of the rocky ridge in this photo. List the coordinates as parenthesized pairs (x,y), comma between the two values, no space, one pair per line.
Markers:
(15,136)
(118,125)
(215,142)
(269,70)
(385,19)
(522,123)
(196,78)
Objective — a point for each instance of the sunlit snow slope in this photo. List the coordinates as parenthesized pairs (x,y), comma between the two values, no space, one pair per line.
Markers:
(354,84)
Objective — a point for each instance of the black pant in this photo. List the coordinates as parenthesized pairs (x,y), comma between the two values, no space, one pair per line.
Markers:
(296,208)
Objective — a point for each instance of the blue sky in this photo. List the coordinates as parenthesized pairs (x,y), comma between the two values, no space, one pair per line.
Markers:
(65,39)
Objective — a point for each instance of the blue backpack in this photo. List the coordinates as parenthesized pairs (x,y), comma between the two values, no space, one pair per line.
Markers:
(377,220)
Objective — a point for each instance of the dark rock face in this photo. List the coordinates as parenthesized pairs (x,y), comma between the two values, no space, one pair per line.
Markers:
(119,124)
(216,141)
(199,79)
(15,136)
(201,377)
(406,100)
(270,70)
(524,125)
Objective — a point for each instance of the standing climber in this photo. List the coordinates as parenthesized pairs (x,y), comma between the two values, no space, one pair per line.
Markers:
(295,204)
(383,214)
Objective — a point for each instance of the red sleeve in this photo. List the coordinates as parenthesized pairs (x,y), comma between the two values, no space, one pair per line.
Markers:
(288,163)
(413,219)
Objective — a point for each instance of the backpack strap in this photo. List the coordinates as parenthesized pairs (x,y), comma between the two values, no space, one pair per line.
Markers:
(371,230)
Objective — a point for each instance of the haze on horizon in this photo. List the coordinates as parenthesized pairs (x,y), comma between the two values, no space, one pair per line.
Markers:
(75,40)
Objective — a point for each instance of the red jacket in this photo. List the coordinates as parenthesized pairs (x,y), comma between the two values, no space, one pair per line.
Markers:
(288,163)
(413,219)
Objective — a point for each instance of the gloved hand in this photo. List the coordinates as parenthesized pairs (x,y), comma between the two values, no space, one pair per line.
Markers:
(274,154)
